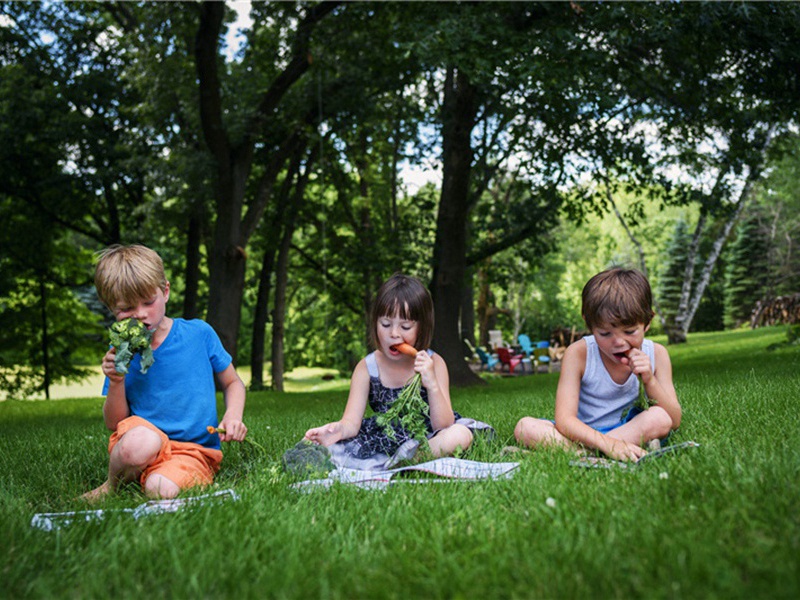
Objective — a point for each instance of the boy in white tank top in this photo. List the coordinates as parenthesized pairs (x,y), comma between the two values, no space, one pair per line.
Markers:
(601,374)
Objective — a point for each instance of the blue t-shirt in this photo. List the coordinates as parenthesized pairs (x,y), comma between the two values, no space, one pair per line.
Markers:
(178,392)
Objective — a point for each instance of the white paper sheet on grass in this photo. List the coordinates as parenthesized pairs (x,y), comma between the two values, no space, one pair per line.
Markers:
(445,469)
(58,520)
(599,462)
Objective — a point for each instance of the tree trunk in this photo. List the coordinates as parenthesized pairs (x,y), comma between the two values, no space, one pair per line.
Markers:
(485,308)
(192,274)
(261,315)
(468,311)
(449,254)
(260,318)
(678,332)
(279,310)
(45,338)
(233,163)
(282,270)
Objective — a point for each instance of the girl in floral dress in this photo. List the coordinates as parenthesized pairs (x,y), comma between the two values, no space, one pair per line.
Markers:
(402,313)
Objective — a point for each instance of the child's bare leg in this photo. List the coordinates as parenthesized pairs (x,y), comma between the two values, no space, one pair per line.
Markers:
(652,424)
(539,432)
(446,441)
(129,457)
(158,486)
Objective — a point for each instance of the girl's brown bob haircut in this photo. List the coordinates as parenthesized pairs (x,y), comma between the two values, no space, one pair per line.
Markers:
(406,297)
(617,297)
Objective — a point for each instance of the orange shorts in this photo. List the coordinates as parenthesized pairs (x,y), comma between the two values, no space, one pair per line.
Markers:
(184,463)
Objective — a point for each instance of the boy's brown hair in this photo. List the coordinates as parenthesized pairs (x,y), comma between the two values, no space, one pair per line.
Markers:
(411,300)
(617,297)
(127,273)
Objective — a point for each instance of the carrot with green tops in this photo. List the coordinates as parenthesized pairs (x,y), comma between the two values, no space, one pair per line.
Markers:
(212,429)
(409,409)
(406,349)
(643,402)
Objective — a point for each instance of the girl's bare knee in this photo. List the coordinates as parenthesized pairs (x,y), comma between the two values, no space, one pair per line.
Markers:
(463,436)
(449,440)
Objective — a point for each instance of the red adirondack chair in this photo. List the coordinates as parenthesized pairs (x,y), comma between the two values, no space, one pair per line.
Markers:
(508,360)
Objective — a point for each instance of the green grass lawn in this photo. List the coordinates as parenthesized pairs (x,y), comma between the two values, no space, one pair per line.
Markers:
(720,521)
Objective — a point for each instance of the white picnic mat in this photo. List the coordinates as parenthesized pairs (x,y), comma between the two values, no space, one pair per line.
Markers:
(445,469)
(58,520)
(600,462)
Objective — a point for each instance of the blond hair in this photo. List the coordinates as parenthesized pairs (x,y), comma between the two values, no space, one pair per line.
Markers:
(125,274)
(617,297)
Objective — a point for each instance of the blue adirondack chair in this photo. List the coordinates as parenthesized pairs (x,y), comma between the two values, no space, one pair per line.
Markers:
(541,355)
(525,344)
(488,362)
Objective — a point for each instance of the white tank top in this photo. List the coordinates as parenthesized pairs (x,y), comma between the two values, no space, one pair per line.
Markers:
(603,401)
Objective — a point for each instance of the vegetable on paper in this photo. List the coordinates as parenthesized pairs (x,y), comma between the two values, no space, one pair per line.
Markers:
(128,337)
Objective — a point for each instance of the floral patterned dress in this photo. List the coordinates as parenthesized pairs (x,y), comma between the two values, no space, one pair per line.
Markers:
(372,444)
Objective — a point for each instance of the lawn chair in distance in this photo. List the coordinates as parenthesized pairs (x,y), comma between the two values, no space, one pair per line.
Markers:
(508,360)
(488,362)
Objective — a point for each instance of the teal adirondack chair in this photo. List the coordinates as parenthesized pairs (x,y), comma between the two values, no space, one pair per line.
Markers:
(525,344)
(488,362)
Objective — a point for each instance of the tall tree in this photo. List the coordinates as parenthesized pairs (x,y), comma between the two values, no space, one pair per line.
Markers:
(747,271)
(234,151)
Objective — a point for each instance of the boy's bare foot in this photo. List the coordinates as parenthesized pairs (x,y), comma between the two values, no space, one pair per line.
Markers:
(653,445)
(97,493)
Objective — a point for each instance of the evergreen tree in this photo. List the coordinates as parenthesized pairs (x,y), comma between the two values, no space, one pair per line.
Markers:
(747,271)
(670,279)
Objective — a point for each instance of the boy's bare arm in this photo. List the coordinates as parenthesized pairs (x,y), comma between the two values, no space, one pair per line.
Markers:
(233,392)
(116,407)
(660,387)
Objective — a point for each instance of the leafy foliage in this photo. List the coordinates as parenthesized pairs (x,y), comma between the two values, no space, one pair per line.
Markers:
(408,412)
(101,142)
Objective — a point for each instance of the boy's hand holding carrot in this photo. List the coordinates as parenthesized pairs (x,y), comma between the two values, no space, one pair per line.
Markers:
(232,430)
(639,364)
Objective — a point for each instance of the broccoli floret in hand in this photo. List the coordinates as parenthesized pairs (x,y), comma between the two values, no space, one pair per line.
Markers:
(130,336)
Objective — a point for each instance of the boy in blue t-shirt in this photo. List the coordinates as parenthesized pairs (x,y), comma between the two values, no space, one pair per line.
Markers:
(161,418)
(601,375)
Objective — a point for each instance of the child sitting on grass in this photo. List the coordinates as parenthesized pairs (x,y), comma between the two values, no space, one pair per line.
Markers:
(401,314)
(599,381)
(160,419)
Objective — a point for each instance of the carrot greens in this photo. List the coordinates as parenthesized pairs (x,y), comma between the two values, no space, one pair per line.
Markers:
(409,409)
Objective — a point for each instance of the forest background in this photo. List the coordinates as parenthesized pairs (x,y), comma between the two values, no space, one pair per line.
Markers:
(268,152)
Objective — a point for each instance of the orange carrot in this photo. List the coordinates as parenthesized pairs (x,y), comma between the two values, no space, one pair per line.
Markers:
(212,429)
(405,349)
